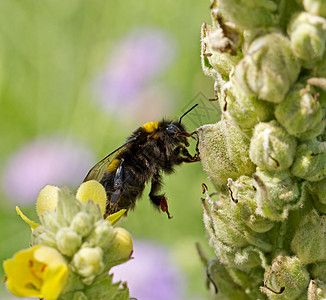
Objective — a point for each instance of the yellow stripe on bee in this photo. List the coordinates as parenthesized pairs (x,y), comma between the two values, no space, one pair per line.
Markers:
(113,165)
(150,126)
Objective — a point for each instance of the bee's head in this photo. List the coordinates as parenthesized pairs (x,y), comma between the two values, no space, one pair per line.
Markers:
(176,131)
(173,128)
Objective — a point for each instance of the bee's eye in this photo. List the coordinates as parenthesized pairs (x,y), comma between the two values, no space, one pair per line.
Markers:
(172,129)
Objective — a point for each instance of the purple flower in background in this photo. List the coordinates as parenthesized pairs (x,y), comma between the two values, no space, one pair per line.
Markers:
(152,274)
(133,63)
(43,161)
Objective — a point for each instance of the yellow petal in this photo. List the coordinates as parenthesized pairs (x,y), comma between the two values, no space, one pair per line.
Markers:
(55,273)
(54,281)
(47,199)
(27,220)
(114,218)
(20,280)
(39,271)
(48,255)
(94,191)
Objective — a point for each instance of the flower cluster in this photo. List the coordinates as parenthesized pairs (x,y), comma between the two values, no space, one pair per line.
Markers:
(73,248)
(266,157)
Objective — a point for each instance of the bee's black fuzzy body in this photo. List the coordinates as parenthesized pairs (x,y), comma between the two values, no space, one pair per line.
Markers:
(153,148)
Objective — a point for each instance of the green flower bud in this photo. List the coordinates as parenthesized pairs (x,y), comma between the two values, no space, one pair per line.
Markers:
(316,290)
(242,258)
(224,152)
(314,132)
(318,270)
(68,206)
(309,241)
(244,193)
(68,241)
(43,236)
(123,246)
(230,228)
(241,12)
(245,110)
(317,194)
(227,228)
(259,223)
(310,161)
(286,279)
(269,68)
(319,70)
(271,147)
(239,257)
(49,221)
(81,224)
(299,112)
(88,262)
(308,36)
(219,47)
(232,283)
(248,280)
(318,188)
(93,210)
(224,286)
(315,7)
(318,205)
(102,235)
(213,57)
(277,193)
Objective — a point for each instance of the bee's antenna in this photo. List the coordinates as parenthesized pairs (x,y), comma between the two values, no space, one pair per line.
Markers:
(189,110)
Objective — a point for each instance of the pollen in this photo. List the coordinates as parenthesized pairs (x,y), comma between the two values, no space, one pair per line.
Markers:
(113,165)
(156,136)
(150,126)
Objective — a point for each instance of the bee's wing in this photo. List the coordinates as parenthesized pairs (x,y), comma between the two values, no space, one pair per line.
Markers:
(97,172)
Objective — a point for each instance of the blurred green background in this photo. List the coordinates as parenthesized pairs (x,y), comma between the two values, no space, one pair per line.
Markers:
(76,77)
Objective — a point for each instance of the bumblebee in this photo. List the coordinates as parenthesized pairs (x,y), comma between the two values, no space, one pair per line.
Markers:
(151,149)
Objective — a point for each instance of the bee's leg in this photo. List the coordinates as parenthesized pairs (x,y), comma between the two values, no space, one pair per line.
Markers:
(181,154)
(187,157)
(117,190)
(158,200)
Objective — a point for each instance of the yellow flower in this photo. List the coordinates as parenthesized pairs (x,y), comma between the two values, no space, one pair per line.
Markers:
(48,199)
(36,272)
